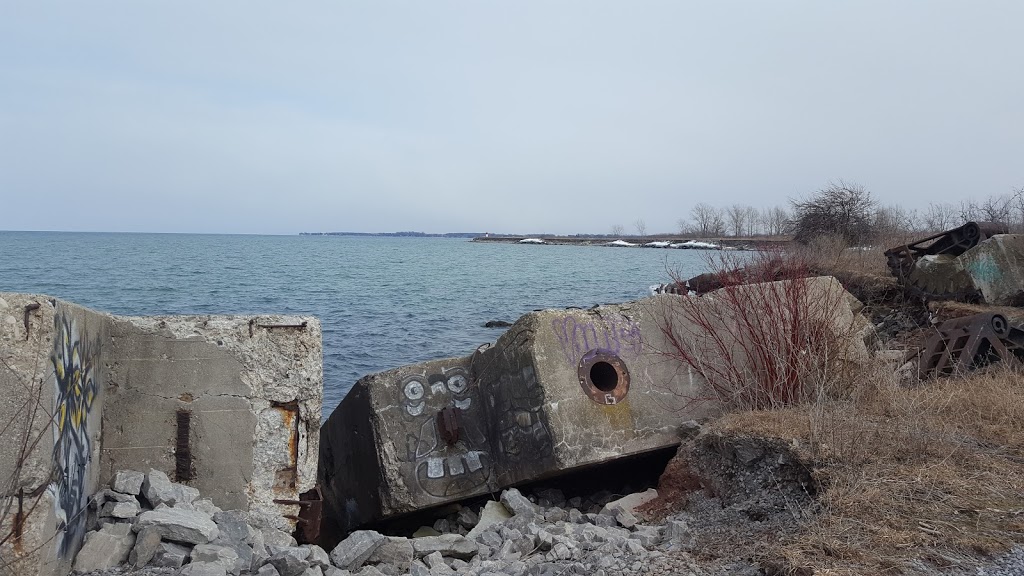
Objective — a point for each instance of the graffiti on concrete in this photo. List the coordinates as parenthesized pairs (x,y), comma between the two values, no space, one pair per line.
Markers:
(522,429)
(579,336)
(985,269)
(75,390)
(447,451)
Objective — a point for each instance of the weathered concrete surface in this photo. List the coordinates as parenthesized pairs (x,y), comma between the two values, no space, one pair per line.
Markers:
(52,359)
(996,267)
(248,388)
(519,408)
(560,390)
(252,389)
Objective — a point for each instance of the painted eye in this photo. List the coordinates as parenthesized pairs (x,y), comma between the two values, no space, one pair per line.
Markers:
(414,390)
(458,383)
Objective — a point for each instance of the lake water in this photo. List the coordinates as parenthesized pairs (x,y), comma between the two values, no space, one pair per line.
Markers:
(383,302)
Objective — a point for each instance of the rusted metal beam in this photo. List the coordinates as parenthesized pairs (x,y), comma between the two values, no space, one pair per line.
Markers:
(964,344)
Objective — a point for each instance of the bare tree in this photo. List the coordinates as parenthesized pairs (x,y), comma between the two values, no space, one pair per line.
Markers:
(940,217)
(707,220)
(641,227)
(753,221)
(736,218)
(684,226)
(775,220)
(996,209)
(1017,211)
(840,209)
(617,230)
(893,220)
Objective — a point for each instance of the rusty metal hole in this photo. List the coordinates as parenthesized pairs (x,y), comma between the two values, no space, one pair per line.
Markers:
(603,377)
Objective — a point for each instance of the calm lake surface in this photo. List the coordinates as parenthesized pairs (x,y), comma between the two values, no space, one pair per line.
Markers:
(383,302)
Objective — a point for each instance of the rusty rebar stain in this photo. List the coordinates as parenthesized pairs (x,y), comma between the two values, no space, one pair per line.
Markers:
(448,425)
(28,313)
(182,450)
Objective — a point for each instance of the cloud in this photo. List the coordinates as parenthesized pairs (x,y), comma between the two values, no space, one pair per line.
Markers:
(443,116)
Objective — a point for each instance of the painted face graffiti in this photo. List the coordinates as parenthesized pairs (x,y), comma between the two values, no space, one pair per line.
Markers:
(75,391)
(446,454)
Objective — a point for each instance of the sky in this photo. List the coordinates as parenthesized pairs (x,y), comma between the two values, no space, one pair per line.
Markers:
(513,117)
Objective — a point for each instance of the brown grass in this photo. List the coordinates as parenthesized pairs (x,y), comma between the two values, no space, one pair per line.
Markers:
(932,474)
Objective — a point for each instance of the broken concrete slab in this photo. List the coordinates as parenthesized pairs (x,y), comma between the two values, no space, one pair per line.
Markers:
(355,550)
(179,525)
(527,408)
(104,549)
(492,513)
(128,482)
(630,502)
(996,268)
(560,390)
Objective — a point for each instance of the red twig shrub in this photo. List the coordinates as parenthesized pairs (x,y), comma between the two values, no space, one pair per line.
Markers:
(769,337)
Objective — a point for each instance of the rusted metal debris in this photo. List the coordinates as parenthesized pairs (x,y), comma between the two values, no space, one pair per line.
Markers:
(939,279)
(311,510)
(448,425)
(964,344)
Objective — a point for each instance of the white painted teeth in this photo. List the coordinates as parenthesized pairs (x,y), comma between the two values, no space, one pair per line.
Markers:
(458,464)
(473,460)
(455,466)
(435,468)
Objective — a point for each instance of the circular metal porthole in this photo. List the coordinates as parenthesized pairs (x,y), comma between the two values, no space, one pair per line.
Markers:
(603,377)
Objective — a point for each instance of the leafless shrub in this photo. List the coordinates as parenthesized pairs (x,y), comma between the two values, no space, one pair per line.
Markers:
(841,208)
(770,337)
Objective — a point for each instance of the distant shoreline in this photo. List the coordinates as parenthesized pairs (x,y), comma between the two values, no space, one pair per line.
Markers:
(664,241)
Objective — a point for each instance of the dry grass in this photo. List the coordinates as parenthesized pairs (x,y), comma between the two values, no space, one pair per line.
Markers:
(932,474)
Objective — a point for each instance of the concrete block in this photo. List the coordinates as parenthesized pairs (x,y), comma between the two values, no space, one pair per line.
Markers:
(560,390)
(996,267)
(437,432)
(53,356)
(248,389)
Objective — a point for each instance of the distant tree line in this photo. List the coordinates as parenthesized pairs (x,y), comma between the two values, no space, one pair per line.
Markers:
(846,210)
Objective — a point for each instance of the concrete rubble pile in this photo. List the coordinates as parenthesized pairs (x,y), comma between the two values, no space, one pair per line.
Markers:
(229,405)
(146,524)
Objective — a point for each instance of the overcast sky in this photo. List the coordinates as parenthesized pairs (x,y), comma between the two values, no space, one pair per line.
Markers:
(562,117)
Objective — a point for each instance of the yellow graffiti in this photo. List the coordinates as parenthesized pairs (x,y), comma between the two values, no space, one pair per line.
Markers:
(75,390)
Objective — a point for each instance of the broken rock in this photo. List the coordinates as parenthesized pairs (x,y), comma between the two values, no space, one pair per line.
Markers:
(354,551)
(179,525)
(104,549)
(450,545)
(128,482)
